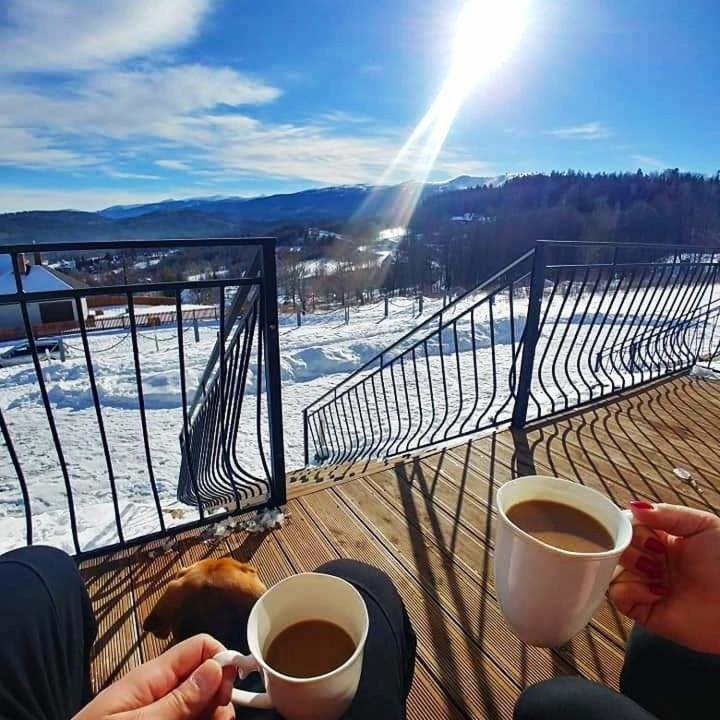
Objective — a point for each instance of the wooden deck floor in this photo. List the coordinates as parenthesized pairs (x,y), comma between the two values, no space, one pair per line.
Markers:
(427,521)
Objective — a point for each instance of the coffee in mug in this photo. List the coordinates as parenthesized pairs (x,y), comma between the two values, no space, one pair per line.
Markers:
(561,526)
(309,648)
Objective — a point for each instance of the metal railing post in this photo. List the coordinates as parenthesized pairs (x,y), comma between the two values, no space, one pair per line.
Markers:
(698,354)
(530,338)
(272,373)
(306,447)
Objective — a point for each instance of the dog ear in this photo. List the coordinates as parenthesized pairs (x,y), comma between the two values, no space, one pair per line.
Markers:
(160,621)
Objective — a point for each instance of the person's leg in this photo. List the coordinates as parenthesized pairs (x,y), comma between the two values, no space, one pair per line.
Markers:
(670,681)
(389,660)
(575,698)
(47,629)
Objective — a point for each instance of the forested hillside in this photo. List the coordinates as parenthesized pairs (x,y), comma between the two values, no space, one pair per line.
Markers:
(469,233)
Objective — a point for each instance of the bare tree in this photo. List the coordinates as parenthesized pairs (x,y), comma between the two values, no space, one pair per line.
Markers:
(293,274)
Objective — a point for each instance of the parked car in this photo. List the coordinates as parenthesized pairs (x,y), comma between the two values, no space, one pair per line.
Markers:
(20,353)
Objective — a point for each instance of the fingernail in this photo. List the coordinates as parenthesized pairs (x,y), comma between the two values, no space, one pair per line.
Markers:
(657,589)
(641,505)
(654,545)
(648,567)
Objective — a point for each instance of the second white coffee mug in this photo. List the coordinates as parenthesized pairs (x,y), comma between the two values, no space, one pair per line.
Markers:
(547,594)
(307,596)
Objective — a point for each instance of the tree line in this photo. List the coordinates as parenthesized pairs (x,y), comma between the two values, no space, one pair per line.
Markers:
(462,237)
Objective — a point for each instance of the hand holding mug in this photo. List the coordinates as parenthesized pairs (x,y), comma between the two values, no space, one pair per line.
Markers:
(671,581)
(183,683)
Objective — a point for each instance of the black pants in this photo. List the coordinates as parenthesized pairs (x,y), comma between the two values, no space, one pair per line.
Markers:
(47,630)
(660,681)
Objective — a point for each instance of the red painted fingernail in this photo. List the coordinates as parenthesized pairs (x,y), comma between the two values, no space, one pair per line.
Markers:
(657,589)
(648,567)
(654,545)
(641,505)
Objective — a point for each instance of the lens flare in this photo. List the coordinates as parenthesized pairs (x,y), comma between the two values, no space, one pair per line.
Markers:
(487,33)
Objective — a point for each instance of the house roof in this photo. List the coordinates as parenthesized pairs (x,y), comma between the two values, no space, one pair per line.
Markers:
(40,278)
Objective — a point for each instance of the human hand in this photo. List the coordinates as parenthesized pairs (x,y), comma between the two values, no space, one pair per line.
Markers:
(183,683)
(671,581)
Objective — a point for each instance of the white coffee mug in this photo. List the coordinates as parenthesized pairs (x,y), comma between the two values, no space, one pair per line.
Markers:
(308,596)
(547,594)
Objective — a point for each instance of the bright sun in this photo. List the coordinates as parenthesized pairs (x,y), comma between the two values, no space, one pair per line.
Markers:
(487,32)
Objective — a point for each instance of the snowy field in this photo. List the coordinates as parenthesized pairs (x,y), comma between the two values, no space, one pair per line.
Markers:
(314,359)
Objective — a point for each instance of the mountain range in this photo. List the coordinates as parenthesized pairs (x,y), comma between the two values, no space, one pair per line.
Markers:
(219,215)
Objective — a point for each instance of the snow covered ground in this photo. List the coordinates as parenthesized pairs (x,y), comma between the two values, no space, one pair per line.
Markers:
(314,358)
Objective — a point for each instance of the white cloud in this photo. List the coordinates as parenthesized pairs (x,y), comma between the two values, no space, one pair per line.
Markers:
(121,175)
(104,110)
(648,162)
(121,103)
(340,116)
(22,148)
(594,130)
(52,35)
(172,164)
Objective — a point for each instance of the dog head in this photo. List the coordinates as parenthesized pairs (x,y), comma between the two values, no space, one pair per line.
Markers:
(212,596)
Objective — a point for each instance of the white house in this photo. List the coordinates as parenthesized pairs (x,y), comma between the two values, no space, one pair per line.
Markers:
(36,277)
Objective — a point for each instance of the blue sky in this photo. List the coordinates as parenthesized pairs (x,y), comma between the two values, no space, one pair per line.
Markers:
(132,101)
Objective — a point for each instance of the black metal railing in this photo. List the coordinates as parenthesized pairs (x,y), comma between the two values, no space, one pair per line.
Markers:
(566,324)
(99,431)
(434,383)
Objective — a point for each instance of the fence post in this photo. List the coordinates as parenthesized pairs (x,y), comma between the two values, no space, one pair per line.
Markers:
(272,373)
(298,317)
(306,447)
(421,300)
(530,338)
(195,328)
(347,313)
(387,307)
(61,347)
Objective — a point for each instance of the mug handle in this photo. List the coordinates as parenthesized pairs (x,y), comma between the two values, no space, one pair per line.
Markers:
(244,664)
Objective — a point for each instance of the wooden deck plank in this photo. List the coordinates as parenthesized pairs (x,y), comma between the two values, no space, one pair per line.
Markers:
(659,481)
(116,650)
(547,448)
(593,425)
(661,416)
(153,565)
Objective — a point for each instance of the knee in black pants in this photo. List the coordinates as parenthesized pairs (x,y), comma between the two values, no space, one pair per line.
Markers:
(48,635)
(575,698)
(354,570)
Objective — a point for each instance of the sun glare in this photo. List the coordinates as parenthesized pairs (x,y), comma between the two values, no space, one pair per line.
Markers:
(486,35)
(487,32)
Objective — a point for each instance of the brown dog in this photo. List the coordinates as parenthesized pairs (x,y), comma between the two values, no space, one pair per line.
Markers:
(212,596)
